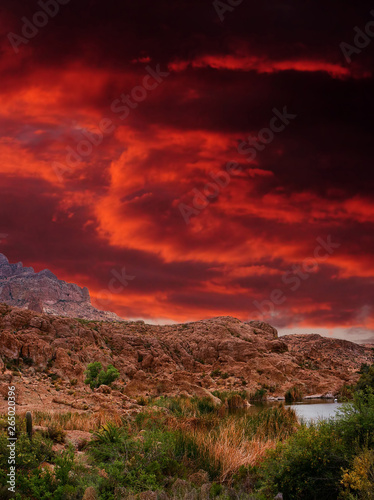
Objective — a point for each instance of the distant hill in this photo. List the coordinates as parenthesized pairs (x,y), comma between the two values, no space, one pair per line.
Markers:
(219,354)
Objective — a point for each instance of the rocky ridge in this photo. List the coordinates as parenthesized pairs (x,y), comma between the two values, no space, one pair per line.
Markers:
(45,357)
(44,292)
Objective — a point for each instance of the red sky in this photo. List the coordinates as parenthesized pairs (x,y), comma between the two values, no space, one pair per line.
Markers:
(120,207)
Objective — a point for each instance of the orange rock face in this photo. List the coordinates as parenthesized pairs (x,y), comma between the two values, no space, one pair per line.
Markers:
(47,356)
(44,292)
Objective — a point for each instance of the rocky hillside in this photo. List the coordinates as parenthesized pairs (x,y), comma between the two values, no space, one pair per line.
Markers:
(46,356)
(44,292)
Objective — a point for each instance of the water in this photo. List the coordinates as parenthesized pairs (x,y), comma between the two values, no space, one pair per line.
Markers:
(313,410)
(307,410)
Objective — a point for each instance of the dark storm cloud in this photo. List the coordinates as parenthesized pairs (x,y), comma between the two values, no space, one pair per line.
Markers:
(164,30)
(119,206)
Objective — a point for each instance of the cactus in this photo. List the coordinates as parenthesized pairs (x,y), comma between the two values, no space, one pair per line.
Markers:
(29,424)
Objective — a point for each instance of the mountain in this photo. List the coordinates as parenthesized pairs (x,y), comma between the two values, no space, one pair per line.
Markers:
(51,354)
(44,292)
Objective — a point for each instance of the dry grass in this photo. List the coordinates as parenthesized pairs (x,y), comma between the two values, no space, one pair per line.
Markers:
(237,440)
(230,449)
(75,421)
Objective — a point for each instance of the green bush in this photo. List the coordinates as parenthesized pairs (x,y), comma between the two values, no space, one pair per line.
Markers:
(355,421)
(358,482)
(67,482)
(132,463)
(308,465)
(366,380)
(96,376)
(215,490)
(110,433)
(29,454)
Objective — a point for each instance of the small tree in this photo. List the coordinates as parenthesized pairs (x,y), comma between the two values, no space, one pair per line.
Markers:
(367,378)
(96,376)
(109,376)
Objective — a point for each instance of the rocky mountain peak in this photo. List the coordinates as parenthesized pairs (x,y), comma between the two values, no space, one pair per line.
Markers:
(3,260)
(43,292)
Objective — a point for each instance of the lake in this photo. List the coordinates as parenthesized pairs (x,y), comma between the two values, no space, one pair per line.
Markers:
(307,410)
(315,409)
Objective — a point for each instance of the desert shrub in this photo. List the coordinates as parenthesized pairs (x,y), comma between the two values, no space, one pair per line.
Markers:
(366,380)
(346,392)
(56,433)
(133,463)
(29,454)
(215,490)
(293,394)
(96,376)
(364,368)
(358,482)
(355,421)
(92,373)
(67,482)
(141,401)
(109,376)
(110,433)
(308,465)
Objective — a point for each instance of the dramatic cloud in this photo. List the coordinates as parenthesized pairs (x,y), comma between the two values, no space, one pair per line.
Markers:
(118,121)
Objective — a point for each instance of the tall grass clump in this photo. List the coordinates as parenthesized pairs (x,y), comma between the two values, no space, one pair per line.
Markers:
(258,395)
(272,423)
(86,421)
(293,394)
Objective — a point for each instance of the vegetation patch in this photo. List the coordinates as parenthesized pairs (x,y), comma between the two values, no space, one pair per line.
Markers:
(96,376)
(190,447)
